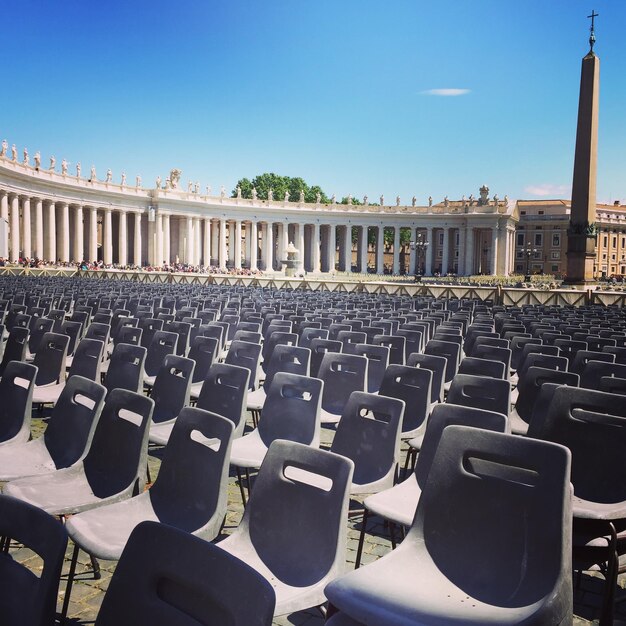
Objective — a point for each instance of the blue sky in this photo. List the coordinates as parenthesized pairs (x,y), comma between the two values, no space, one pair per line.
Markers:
(335,91)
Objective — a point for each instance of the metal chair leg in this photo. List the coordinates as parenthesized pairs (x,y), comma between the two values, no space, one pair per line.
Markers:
(70,581)
(359,551)
(241,489)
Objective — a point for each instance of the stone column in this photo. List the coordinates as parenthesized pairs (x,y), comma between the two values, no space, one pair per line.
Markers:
(269,248)
(363,251)
(347,249)
(215,242)
(4,205)
(65,232)
(167,238)
(380,251)
(92,252)
(197,235)
(39,251)
(207,242)
(188,256)
(236,244)
(396,250)
(315,249)
(107,251)
(412,253)
(469,254)
(445,259)
(50,250)
(137,246)
(285,242)
(79,235)
(254,246)
(429,252)
(223,252)
(300,247)
(461,263)
(158,240)
(231,242)
(494,250)
(332,247)
(27,234)
(15,228)
(123,239)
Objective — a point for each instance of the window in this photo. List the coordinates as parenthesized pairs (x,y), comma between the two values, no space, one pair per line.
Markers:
(605,241)
(614,244)
(519,254)
(441,239)
(540,212)
(613,257)
(623,242)
(456,254)
(556,240)
(456,241)
(555,256)
(554,268)
(539,239)
(520,239)
(604,256)
(522,212)
(440,253)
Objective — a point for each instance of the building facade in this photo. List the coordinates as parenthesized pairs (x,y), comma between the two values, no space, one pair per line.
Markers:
(58,216)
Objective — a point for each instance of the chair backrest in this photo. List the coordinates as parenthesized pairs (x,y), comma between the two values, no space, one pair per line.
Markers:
(87,359)
(149,325)
(50,358)
(437,365)
(536,359)
(292,409)
(511,496)
(342,374)
(481,392)
(619,352)
(16,392)
(191,490)
(38,327)
(126,368)
(350,339)
(319,347)
(118,456)
(377,362)
(183,330)
(168,577)
(300,493)
(412,385)
(74,331)
(582,357)
(99,331)
(163,343)
(449,351)
(224,392)
(530,386)
(128,334)
(74,418)
(396,345)
(592,424)
(517,349)
(28,598)
(203,352)
(15,349)
(172,387)
(292,359)
(279,337)
(245,354)
(491,341)
(482,367)
(494,353)
(369,435)
(414,341)
(603,376)
(444,415)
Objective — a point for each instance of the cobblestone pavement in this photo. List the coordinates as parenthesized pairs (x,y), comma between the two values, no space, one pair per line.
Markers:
(87,593)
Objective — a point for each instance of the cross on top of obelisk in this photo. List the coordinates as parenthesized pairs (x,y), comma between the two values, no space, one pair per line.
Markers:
(592,34)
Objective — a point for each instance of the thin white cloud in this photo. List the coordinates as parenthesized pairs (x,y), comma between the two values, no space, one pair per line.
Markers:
(446,92)
(548,189)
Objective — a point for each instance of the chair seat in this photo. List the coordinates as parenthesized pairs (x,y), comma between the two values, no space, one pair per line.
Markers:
(248,451)
(47,394)
(518,425)
(416,442)
(329,418)
(26,459)
(104,532)
(397,504)
(160,433)
(586,509)
(195,389)
(406,587)
(149,380)
(514,395)
(256,399)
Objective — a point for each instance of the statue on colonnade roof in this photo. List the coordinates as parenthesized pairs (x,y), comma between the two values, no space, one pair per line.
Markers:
(174,177)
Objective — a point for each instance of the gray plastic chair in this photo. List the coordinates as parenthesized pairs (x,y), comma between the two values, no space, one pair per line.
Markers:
(481,392)
(149,326)
(491,499)
(494,353)
(449,351)
(15,348)
(582,357)
(16,392)
(37,328)
(350,339)
(377,362)
(437,365)
(125,370)
(294,529)
(67,437)
(86,363)
(162,344)
(396,345)
(203,352)
(602,376)
(308,334)
(183,330)
(482,367)
(202,583)
(27,597)
(113,469)
(190,492)
(74,330)
(369,434)
(319,347)
(50,359)
(248,355)
(398,504)
(517,347)
(342,374)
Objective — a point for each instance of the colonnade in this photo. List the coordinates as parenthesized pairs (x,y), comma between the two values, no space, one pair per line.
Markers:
(72,232)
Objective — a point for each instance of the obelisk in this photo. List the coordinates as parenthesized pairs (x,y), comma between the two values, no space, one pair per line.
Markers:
(581,234)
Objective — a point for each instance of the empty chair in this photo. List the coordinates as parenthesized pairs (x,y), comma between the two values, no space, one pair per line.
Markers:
(582,357)
(38,327)
(294,528)
(86,363)
(128,334)
(159,556)
(29,597)
(162,344)
(98,331)
(491,341)
(66,438)
(413,341)
(246,335)
(125,369)
(412,385)
(369,435)
(494,353)
(517,347)
(476,507)
(619,352)
(319,347)
(397,504)
(568,347)
(279,337)
(74,330)
(437,365)
(248,355)
(203,352)
(449,351)
(481,392)
(113,469)
(16,392)
(15,348)
(603,376)
(50,358)
(342,374)
(377,362)
(482,367)
(183,330)
(149,326)
(190,492)
(349,340)
(396,345)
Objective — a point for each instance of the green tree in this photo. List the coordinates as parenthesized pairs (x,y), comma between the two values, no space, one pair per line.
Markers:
(279,186)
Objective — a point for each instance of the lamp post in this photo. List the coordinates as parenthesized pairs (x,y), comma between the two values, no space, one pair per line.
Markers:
(529,251)
(420,246)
